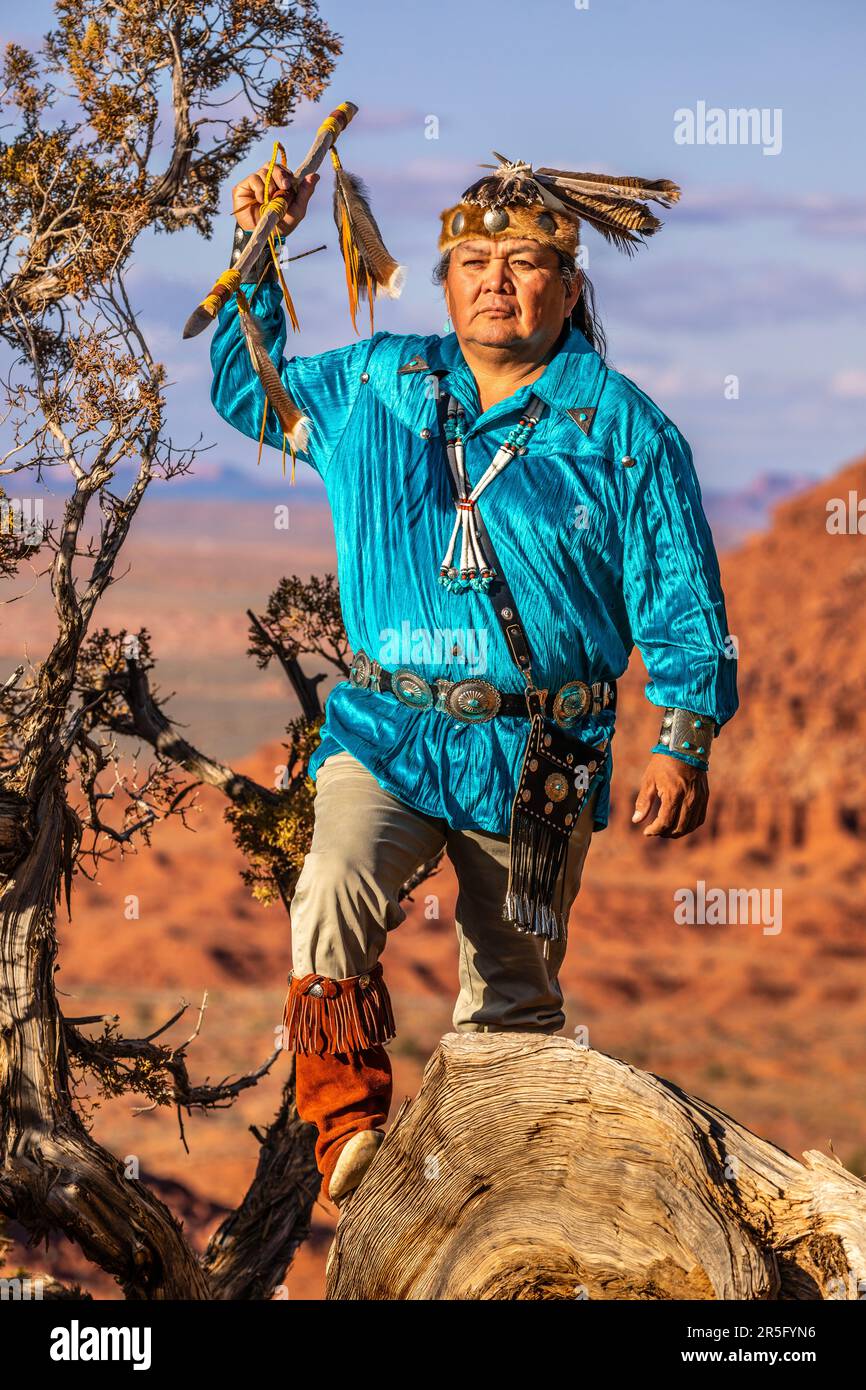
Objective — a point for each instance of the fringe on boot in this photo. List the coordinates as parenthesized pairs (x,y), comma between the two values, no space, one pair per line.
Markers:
(326,1015)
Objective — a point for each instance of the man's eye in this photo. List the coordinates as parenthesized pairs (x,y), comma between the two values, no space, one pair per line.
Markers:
(531,264)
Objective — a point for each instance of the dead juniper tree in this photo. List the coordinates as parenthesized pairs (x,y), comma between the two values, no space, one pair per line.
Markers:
(148,149)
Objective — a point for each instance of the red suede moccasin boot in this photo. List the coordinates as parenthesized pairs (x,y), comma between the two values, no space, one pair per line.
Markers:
(343,1079)
(342,1094)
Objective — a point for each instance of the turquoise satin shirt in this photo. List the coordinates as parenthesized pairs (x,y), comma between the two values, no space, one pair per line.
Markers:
(600,555)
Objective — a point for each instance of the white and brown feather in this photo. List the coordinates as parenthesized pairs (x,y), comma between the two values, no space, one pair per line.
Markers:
(293,422)
(375,259)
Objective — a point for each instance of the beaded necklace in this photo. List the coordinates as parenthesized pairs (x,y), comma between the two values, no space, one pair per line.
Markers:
(474,570)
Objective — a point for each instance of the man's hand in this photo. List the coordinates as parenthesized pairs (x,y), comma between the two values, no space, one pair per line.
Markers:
(249,195)
(683,792)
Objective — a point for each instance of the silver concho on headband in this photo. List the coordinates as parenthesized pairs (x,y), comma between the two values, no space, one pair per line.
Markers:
(495,219)
(546,222)
(458,222)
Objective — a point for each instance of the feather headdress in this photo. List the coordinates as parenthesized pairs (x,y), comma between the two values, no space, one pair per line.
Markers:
(549,204)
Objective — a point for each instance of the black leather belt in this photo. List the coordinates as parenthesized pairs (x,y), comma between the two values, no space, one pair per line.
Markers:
(473,700)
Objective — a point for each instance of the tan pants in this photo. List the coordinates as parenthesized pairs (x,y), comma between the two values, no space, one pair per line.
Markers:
(366,844)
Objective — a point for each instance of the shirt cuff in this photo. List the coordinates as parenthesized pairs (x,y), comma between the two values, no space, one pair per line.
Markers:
(683,757)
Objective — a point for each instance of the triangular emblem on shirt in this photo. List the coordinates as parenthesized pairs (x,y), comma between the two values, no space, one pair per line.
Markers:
(415,364)
(583,416)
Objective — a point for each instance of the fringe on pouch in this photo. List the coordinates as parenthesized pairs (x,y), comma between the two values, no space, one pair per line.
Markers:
(537,856)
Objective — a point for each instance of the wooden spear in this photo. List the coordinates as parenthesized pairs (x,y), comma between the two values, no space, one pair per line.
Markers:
(272,213)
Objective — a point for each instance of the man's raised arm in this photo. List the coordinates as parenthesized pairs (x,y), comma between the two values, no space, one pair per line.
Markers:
(323,386)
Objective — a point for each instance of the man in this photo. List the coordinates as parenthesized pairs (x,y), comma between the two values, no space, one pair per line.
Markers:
(591,539)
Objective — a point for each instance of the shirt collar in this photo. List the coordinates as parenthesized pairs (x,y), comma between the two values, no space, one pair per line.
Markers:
(571,381)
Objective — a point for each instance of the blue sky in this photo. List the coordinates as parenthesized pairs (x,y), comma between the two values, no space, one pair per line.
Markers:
(758,273)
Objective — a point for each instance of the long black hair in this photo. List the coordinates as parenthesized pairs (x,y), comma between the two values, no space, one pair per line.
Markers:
(584,315)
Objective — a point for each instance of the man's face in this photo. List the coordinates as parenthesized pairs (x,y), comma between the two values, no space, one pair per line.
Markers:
(500,293)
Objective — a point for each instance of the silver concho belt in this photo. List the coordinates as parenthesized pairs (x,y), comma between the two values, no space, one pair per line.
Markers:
(473,700)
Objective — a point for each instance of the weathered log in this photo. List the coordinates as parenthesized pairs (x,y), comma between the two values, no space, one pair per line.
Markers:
(529,1167)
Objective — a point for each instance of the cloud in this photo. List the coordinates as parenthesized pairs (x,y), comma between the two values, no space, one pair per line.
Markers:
(372,119)
(704,384)
(814,215)
(672,381)
(850,384)
(708,296)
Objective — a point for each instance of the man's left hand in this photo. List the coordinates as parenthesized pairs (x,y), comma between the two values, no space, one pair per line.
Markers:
(682,792)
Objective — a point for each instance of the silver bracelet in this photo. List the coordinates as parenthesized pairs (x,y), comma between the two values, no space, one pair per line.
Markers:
(683,731)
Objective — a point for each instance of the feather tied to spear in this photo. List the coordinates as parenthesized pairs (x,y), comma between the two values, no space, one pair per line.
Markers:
(370,270)
(370,267)
(293,422)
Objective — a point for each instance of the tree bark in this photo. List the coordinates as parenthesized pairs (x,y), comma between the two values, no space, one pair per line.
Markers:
(247,1257)
(52,1173)
(529,1167)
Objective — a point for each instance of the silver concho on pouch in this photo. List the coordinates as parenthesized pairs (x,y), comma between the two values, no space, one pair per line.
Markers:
(556,786)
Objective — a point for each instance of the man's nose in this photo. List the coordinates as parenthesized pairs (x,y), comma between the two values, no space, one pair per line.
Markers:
(496,274)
